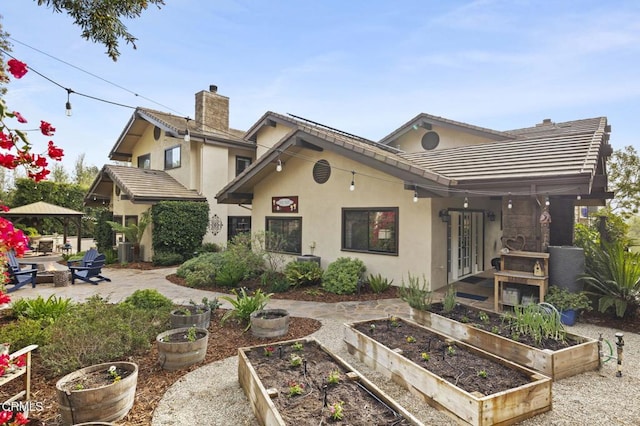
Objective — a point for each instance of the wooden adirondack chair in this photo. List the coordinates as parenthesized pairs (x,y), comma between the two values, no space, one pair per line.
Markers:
(19,276)
(89,268)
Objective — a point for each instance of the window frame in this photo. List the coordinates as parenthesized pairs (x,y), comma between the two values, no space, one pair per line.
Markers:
(142,159)
(173,165)
(268,230)
(240,158)
(368,210)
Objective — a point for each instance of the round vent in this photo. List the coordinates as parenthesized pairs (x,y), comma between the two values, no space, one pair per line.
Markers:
(430,140)
(321,171)
(156,132)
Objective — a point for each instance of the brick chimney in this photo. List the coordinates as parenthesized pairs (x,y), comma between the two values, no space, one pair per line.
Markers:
(212,110)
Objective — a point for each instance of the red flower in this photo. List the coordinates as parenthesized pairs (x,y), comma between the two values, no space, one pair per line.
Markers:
(21,419)
(41,175)
(4,298)
(8,161)
(21,361)
(40,161)
(5,416)
(46,128)
(19,117)
(16,68)
(6,141)
(55,153)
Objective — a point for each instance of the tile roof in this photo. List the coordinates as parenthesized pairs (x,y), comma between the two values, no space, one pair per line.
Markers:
(145,185)
(570,148)
(41,208)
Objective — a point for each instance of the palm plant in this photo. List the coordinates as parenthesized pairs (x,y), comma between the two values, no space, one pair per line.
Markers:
(614,274)
(134,231)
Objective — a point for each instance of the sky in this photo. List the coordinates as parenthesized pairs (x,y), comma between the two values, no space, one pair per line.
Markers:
(365,67)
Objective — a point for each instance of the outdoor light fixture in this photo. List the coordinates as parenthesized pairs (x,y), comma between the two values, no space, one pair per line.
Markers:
(510,203)
(578,197)
(466,202)
(415,194)
(352,187)
(491,216)
(187,135)
(546,201)
(444,215)
(279,166)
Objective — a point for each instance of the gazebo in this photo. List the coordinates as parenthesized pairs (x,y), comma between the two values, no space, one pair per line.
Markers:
(42,209)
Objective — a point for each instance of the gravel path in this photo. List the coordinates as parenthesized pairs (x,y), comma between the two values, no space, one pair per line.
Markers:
(595,398)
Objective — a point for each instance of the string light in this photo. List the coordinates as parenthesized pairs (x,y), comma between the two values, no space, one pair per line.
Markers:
(279,166)
(352,187)
(67,106)
(546,201)
(466,202)
(187,135)
(415,194)
(510,203)
(578,197)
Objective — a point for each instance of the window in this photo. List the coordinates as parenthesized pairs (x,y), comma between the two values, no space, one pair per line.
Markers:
(172,158)
(144,161)
(238,225)
(241,164)
(285,234)
(370,230)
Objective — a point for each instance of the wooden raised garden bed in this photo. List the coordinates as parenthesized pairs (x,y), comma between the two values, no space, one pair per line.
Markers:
(580,354)
(472,385)
(324,383)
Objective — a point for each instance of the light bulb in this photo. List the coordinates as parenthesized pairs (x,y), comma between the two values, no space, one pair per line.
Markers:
(352,187)
(510,205)
(466,202)
(579,197)
(279,166)
(546,201)
(187,136)
(67,107)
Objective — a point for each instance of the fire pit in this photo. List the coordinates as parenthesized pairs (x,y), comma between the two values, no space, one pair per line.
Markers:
(53,272)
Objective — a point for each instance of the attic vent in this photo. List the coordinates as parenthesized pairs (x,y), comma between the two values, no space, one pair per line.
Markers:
(321,171)
(157,132)
(430,141)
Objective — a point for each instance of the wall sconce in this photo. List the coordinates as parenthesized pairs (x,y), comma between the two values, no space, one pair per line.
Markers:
(491,216)
(444,215)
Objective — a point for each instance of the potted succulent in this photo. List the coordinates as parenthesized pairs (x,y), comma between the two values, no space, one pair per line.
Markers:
(567,303)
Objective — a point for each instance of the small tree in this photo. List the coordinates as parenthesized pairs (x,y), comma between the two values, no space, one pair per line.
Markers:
(134,232)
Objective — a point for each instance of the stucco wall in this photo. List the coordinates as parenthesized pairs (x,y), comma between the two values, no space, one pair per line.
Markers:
(268,136)
(411,141)
(320,206)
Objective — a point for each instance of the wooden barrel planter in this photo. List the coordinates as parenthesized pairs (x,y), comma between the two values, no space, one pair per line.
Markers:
(270,323)
(80,403)
(175,351)
(187,316)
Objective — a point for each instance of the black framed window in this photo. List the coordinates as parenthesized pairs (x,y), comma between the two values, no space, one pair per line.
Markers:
(284,234)
(241,164)
(373,230)
(238,225)
(144,161)
(172,158)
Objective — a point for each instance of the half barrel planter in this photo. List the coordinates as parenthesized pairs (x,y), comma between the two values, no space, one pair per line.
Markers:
(578,358)
(187,316)
(504,408)
(107,403)
(175,354)
(262,398)
(269,323)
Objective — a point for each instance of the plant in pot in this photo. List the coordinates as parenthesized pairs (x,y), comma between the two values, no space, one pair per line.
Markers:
(567,303)
(182,347)
(198,314)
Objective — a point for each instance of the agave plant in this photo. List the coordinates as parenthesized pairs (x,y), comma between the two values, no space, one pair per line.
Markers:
(614,274)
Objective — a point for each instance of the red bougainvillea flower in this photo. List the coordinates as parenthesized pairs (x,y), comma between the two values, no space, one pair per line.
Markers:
(8,161)
(4,298)
(46,128)
(20,361)
(39,176)
(6,141)
(19,117)
(17,68)
(54,152)
(40,161)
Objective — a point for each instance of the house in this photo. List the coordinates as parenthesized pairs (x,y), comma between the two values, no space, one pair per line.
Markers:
(161,156)
(435,198)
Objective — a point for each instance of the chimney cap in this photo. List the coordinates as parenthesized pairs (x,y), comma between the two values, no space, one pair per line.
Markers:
(213,88)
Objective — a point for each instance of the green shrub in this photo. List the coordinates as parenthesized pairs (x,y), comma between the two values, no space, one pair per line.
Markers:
(110,256)
(244,305)
(179,226)
(231,272)
(342,275)
(201,270)
(97,331)
(417,295)
(24,332)
(47,310)
(163,258)
(379,284)
(274,281)
(210,248)
(614,274)
(240,254)
(149,299)
(303,273)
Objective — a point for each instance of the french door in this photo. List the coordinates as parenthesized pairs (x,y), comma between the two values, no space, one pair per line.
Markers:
(465,243)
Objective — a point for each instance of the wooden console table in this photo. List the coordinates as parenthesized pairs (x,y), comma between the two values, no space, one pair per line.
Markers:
(505,275)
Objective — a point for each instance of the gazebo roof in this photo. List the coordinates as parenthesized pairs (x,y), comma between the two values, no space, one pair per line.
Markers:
(41,209)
